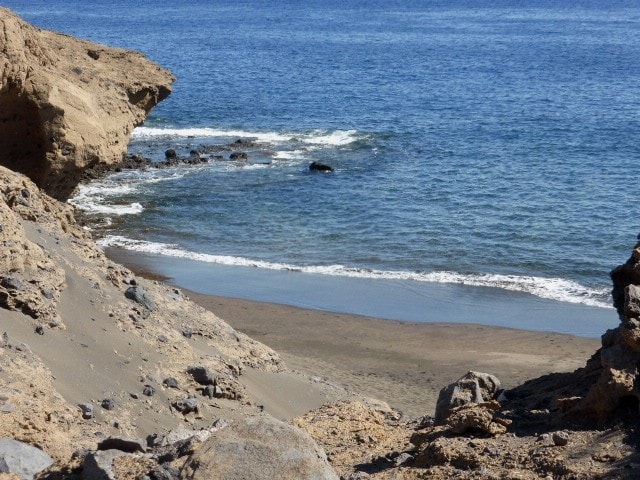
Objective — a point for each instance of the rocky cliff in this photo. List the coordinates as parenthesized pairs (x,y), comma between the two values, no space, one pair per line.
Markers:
(68,104)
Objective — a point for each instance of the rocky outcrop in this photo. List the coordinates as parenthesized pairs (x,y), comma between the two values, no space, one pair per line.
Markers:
(68,104)
(616,366)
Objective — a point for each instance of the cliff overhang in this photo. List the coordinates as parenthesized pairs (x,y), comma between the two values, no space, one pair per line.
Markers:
(67,104)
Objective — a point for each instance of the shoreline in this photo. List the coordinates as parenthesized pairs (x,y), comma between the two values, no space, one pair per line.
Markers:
(403,363)
(407,301)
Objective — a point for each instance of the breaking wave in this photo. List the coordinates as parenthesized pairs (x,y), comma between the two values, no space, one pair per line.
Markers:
(549,288)
(336,138)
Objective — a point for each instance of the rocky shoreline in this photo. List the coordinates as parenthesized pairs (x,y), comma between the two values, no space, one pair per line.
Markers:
(104,374)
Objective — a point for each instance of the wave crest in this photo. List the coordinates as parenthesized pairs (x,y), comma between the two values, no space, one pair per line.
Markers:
(336,138)
(558,289)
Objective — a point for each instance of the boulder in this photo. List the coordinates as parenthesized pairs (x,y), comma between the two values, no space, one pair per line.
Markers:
(22,459)
(140,295)
(473,387)
(258,448)
(68,104)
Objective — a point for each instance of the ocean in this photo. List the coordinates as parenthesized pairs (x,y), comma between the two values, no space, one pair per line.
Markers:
(486,145)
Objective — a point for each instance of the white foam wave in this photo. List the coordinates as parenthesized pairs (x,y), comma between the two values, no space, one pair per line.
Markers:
(96,197)
(335,138)
(549,288)
(289,155)
(92,198)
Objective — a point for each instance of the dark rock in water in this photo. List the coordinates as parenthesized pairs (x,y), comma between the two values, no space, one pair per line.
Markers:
(139,295)
(170,382)
(320,167)
(22,459)
(202,375)
(238,156)
(171,153)
(124,444)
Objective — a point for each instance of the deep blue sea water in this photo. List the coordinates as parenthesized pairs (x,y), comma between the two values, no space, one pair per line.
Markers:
(480,143)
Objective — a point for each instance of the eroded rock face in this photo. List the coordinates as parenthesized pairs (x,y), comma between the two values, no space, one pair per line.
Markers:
(618,361)
(68,104)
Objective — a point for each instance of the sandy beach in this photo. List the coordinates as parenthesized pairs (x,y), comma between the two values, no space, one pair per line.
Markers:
(403,363)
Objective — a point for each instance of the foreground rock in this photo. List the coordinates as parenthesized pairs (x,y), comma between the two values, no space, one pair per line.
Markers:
(22,459)
(68,104)
(473,387)
(259,448)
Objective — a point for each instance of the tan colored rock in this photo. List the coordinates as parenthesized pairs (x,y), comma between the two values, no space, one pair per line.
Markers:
(477,417)
(68,104)
(356,433)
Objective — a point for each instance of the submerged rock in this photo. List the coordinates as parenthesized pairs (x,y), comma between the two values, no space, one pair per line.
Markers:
(320,167)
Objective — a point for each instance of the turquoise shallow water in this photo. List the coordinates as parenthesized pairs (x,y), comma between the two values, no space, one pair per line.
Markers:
(474,143)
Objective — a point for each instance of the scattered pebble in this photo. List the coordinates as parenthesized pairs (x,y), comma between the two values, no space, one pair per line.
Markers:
(87,410)
(40,330)
(149,391)
(186,405)
(560,439)
(170,382)
(108,404)
(7,407)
